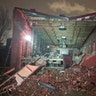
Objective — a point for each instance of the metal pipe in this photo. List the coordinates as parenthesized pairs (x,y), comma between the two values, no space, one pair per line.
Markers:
(48,86)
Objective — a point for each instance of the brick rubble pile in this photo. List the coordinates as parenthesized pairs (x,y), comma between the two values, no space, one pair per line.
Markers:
(76,81)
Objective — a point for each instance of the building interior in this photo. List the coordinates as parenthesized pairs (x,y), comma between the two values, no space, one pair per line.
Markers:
(61,48)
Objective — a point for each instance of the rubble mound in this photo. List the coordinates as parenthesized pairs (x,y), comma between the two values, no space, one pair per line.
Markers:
(75,81)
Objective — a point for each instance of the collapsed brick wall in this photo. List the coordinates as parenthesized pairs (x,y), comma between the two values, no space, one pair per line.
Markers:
(76,81)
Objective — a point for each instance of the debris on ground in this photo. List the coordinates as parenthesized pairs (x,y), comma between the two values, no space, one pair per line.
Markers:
(75,81)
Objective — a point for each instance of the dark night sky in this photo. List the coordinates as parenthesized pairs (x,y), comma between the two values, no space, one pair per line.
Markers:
(54,7)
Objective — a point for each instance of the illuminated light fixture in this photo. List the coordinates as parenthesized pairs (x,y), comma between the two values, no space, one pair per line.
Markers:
(79,19)
(63,37)
(48,46)
(87,17)
(62,27)
(28,37)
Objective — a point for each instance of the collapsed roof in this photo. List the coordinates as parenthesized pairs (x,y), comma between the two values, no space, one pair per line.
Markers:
(74,31)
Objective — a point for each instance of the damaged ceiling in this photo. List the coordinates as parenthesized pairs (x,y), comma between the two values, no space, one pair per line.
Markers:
(59,30)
